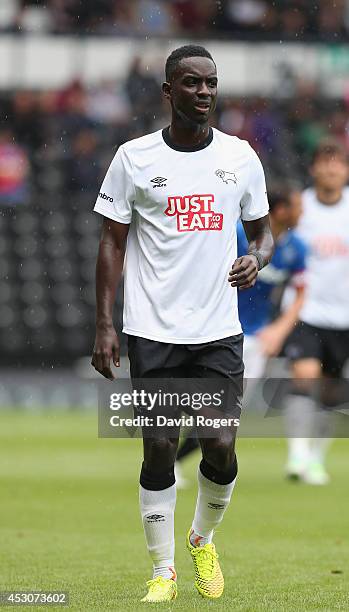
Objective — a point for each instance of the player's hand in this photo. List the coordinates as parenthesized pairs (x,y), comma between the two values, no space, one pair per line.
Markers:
(244,271)
(271,339)
(106,347)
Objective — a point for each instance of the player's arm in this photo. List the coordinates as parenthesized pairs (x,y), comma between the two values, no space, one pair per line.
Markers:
(244,271)
(273,336)
(109,268)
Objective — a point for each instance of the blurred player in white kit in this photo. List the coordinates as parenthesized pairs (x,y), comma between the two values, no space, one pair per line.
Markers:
(319,346)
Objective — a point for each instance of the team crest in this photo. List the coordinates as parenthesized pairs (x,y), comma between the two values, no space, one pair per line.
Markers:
(226,176)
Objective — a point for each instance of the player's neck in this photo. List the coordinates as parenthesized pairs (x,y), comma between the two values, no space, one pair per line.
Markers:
(327,196)
(188,134)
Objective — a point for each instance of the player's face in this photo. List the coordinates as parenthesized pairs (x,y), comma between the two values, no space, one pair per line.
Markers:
(330,172)
(193,89)
(294,208)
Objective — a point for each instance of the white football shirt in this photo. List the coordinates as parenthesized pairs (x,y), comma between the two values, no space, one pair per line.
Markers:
(182,206)
(325,230)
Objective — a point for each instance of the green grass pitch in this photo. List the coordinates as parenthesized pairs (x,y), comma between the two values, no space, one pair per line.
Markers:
(69,520)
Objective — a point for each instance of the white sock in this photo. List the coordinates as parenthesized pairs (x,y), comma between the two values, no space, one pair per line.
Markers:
(212,501)
(299,448)
(323,429)
(157,510)
(300,411)
(319,447)
(166,571)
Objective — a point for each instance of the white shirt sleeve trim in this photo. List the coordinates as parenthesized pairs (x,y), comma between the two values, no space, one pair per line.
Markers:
(260,215)
(110,215)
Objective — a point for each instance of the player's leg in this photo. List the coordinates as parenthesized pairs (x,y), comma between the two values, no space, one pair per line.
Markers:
(323,427)
(255,362)
(300,415)
(316,473)
(332,393)
(217,475)
(304,349)
(157,498)
(221,362)
(157,490)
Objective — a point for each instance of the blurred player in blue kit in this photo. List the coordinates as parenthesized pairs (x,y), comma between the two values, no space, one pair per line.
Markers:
(263,336)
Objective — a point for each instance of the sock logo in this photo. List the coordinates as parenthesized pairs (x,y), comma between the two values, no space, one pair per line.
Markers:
(194,212)
(155,518)
(216,506)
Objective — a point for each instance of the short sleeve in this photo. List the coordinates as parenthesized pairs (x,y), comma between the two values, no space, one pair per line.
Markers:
(299,262)
(116,197)
(254,202)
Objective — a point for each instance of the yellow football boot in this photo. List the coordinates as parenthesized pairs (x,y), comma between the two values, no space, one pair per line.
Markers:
(209,579)
(160,589)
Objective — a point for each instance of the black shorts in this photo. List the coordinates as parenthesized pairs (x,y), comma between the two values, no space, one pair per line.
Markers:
(192,367)
(329,346)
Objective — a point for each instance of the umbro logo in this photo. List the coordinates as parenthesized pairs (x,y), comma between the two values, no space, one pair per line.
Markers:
(155,518)
(216,506)
(159,181)
(104,196)
(226,176)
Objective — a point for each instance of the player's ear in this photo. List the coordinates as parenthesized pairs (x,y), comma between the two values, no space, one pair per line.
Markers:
(166,90)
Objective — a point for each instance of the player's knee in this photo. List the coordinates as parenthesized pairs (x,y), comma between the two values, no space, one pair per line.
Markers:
(306,369)
(306,373)
(159,453)
(220,454)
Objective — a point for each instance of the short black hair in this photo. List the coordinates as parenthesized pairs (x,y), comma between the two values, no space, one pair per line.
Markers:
(186,51)
(329,147)
(278,196)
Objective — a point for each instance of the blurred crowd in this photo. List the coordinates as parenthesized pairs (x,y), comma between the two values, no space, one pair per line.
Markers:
(55,146)
(288,19)
(64,140)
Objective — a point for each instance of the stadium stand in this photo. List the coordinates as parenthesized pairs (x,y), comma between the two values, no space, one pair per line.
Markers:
(253,19)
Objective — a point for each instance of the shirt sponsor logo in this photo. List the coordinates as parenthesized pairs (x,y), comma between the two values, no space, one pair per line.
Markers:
(330,246)
(104,196)
(194,212)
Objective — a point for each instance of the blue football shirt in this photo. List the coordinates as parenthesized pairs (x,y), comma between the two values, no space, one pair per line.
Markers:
(255,304)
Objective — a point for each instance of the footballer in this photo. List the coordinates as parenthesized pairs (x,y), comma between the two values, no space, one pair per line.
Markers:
(174,198)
